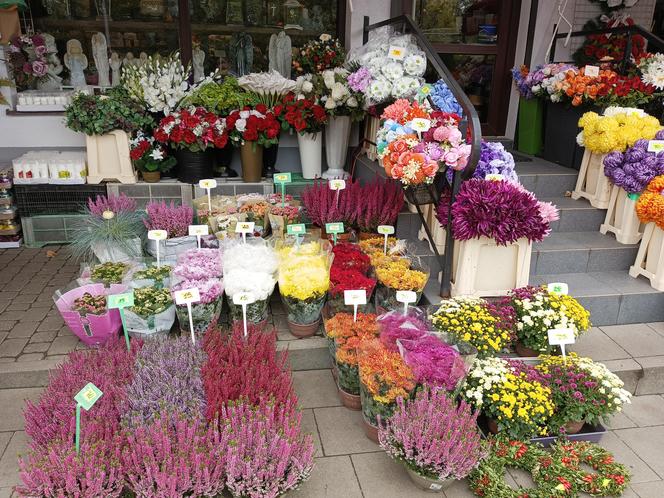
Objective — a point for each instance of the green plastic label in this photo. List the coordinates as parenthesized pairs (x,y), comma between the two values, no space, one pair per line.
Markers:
(121,300)
(282,178)
(334,227)
(296,229)
(88,396)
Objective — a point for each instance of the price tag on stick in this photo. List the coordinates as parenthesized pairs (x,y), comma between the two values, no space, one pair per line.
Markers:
(245,227)
(157,236)
(282,179)
(338,185)
(243,299)
(85,398)
(385,230)
(406,297)
(558,288)
(355,298)
(334,229)
(199,231)
(208,184)
(561,337)
(120,302)
(297,229)
(186,297)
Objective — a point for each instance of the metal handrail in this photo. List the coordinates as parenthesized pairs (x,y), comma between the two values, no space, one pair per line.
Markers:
(470,119)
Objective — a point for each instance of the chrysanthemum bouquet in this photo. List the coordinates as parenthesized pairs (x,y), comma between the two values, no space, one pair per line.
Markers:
(615,132)
(538,311)
(433,362)
(259,284)
(399,274)
(397,325)
(650,206)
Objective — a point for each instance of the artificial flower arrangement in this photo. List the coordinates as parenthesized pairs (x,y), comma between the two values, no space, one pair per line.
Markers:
(650,206)
(494,160)
(635,168)
(399,273)
(475,321)
(89,304)
(153,312)
(615,131)
(513,402)
(28,59)
(607,47)
(434,438)
(537,310)
(441,97)
(401,161)
(257,125)
(544,81)
(303,115)
(651,68)
(332,90)
(109,273)
(349,271)
(194,129)
(316,56)
(268,87)
(149,157)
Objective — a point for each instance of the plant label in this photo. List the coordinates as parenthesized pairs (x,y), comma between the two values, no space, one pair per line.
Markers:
(655,145)
(119,301)
(337,184)
(208,183)
(334,229)
(187,296)
(558,288)
(282,178)
(406,297)
(199,230)
(355,298)
(243,299)
(397,53)
(88,396)
(591,71)
(157,235)
(561,337)
(245,227)
(386,229)
(296,229)
(494,177)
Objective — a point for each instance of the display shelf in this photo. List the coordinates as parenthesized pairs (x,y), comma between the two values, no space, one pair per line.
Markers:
(9,112)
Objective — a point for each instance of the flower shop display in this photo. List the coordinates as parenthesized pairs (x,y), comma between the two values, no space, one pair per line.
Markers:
(531,112)
(257,212)
(151,276)
(493,221)
(193,133)
(259,284)
(537,310)
(304,279)
(629,172)
(344,336)
(28,60)
(650,257)
(149,158)
(406,273)
(319,55)
(379,203)
(384,378)
(152,314)
(280,217)
(252,129)
(324,205)
(471,320)
(111,231)
(205,313)
(83,309)
(396,325)
(437,441)
(602,47)
(514,403)
(349,271)
(175,219)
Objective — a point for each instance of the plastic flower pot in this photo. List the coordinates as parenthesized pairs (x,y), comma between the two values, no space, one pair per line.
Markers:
(92,330)
(204,316)
(311,153)
(251,155)
(150,327)
(171,248)
(256,311)
(307,330)
(194,166)
(106,253)
(525,351)
(574,427)
(591,183)
(337,134)
(428,484)
(531,123)
(650,258)
(151,176)
(304,312)
(370,429)
(621,218)
(560,130)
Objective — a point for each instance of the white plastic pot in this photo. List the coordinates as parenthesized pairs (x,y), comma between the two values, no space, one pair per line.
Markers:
(621,218)
(106,253)
(108,158)
(650,258)
(170,248)
(371,127)
(311,154)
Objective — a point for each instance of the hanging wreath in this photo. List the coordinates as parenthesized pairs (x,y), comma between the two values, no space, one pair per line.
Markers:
(611,5)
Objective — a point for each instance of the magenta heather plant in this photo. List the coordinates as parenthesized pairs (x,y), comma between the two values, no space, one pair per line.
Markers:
(172,218)
(110,368)
(267,454)
(433,436)
(57,471)
(116,203)
(498,210)
(322,206)
(167,380)
(173,457)
(378,203)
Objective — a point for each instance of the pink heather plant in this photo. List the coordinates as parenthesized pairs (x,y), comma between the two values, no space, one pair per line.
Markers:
(433,436)
(116,203)
(174,219)
(378,203)
(210,290)
(322,206)
(57,471)
(172,457)
(268,455)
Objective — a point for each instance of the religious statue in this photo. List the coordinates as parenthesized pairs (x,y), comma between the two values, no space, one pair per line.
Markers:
(76,62)
(115,64)
(280,54)
(242,54)
(142,59)
(53,81)
(100,55)
(198,58)
(129,60)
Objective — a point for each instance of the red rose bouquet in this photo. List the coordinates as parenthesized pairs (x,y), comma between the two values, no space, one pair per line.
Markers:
(303,115)
(258,124)
(608,46)
(194,129)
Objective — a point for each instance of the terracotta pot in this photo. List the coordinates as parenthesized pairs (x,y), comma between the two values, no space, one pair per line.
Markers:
(370,430)
(492,426)
(524,351)
(573,427)
(368,235)
(251,155)
(350,401)
(151,176)
(301,331)
(429,485)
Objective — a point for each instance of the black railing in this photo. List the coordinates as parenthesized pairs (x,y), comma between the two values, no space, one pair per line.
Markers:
(470,121)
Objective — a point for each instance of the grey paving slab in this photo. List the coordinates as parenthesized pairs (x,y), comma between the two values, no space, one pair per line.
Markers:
(332,477)
(646,411)
(598,346)
(63,345)
(645,307)
(11,407)
(12,347)
(9,462)
(341,431)
(649,489)
(620,421)
(637,339)
(647,442)
(626,453)
(652,381)
(6,492)
(309,427)
(315,388)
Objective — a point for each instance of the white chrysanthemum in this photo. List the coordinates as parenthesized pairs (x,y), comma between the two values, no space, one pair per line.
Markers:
(415,65)
(259,284)
(393,71)
(404,87)
(379,89)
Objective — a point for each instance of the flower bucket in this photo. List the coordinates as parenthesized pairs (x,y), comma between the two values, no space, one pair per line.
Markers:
(108,158)
(621,217)
(204,316)
(170,248)
(151,176)
(337,134)
(483,268)
(194,166)
(427,484)
(650,258)
(92,330)
(531,123)
(105,253)
(350,401)
(311,154)
(591,183)
(371,126)
(251,155)
(158,325)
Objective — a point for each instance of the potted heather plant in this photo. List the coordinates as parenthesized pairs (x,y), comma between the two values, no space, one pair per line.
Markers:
(152,314)
(324,205)
(175,220)
(434,438)
(378,203)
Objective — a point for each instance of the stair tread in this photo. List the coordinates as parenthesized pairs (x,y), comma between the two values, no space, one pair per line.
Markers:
(541,167)
(568,203)
(609,283)
(569,241)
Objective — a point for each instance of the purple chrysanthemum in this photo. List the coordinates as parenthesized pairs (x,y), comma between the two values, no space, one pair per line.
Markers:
(636,167)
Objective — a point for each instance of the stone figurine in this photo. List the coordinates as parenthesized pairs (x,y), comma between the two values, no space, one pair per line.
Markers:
(241,54)
(280,54)
(142,59)
(100,55)
(76,62)
(129,60)
(198,58)
(53,81)
(116,63)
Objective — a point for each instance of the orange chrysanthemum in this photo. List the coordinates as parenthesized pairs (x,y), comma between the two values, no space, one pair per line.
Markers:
(650,206)
(384,373)
(349,335)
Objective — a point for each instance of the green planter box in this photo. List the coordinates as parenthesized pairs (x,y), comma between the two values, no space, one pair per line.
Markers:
(531,123)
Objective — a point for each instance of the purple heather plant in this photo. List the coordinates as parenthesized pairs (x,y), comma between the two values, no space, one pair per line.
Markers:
(433,436)
(172,218)
(499,210)
(378,203)
(636,167)
(269,455)
(115,203)
(167,380)
(322,206)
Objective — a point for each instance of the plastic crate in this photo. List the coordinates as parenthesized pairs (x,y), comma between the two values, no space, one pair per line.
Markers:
(34,200)
(143,192)
(39,231)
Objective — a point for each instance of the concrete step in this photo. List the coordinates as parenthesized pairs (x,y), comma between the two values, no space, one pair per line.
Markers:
(545,179)
(576,215)
(580,252)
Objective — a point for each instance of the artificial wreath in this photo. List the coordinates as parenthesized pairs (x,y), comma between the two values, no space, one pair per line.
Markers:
(555,473)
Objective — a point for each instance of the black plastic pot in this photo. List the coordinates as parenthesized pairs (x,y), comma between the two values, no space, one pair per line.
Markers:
(223,160)
(270,160)
(194,166)
(561,126)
